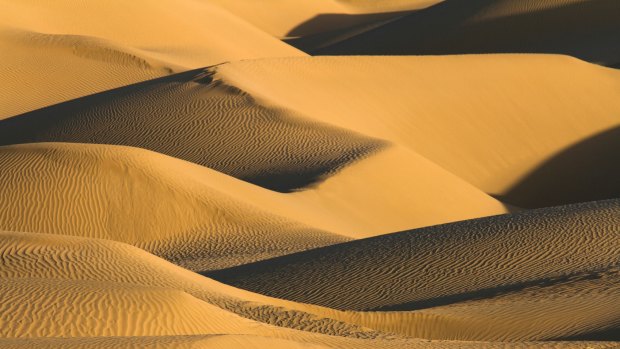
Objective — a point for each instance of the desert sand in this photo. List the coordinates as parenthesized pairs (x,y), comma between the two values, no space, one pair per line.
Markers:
(582,28)
(190,174)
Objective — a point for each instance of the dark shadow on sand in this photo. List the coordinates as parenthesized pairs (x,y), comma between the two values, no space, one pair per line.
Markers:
(587,171)
(586,30)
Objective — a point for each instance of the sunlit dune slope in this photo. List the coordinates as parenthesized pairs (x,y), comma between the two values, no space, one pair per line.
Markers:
(43,69)
(110,280)
(392,190)
(172,208)
(58,50)
(492,120)
(583,28)
(204,220)
(444,264)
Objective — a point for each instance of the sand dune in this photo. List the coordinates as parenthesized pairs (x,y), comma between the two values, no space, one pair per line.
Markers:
(582,28)
(141,198)
(314,17)
(489,119)
(204,220)
(181,174)
(460,262)
(67,49)
(192,117)
(103,276)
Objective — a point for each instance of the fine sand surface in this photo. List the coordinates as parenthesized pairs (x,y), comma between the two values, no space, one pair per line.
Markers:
(183,174)
(490,119)
(461,271)
(60,50)
(582,28)
(331,170)
(205,220)
(307,18)
(177,210)
(110,281)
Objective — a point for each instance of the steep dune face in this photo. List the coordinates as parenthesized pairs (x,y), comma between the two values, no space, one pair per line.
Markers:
(490,119)
(582,28)
(67,49)
(448,264)
(414,192)
(315,17)
(162,204)
(192,117)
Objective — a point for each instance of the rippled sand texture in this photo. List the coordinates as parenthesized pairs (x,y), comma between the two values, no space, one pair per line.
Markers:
(190,174)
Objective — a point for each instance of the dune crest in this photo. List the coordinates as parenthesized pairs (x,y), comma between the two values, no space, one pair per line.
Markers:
(489,119)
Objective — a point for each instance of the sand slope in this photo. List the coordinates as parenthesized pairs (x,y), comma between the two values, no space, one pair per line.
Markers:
(172,208)
(489,119)
(195,117)
(205,220)
(567,252)
(314,17)
(67,49)
(483,120)
(582,28)
(192,117)
(105,275)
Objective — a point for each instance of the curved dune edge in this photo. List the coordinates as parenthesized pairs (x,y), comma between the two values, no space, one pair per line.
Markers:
(315,17)
(466,272)
(581,28)
(204,220)
(193,117)
(489,119)
(183,212)
(117,271)
(59,52)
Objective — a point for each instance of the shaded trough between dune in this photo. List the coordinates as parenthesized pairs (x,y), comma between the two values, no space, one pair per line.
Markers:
(586,171)
(587,30)
(192,117)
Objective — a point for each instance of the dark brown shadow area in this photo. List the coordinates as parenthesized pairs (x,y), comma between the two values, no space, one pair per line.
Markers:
(330,28)
(338,21)
(610,334)
(194,118)
(587,30)
(587,171)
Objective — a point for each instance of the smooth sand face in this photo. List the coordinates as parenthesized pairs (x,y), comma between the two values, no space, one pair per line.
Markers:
(307,18)
(142,142)
(490,119)
(60,50)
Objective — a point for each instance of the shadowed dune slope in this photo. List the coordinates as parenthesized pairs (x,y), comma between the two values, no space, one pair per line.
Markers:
(192,117)
(110,278)
(43,69)
(444,264)
(582,28)
(66,49)
(179,211)
(489,119)
(313,17)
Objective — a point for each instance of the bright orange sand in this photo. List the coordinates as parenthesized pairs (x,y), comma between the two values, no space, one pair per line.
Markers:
(181,174)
